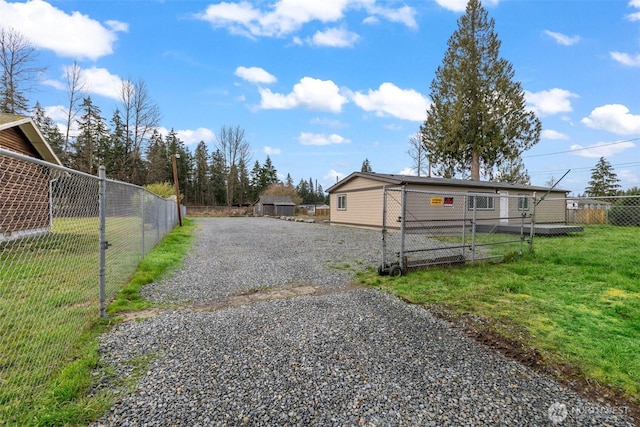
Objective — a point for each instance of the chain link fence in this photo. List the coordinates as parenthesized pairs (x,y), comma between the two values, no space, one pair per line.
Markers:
(423,228)
(54,256)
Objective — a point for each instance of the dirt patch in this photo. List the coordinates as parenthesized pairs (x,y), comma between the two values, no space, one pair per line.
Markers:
(245,298)
(486,331)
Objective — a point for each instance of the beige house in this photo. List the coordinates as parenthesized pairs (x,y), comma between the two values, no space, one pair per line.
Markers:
(358,200)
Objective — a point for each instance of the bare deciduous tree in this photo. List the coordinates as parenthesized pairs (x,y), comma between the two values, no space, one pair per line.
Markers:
(236,150)
(419,155)
(18,71)
(75,86)
(141,115)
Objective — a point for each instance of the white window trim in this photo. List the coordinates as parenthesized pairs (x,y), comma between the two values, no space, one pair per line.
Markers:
(342,206)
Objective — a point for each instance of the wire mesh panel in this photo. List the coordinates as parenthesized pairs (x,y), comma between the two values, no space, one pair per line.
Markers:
(49,265)
(423,228)
(621,210)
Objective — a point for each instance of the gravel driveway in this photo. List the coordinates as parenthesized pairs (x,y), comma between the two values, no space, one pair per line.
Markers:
(342,356)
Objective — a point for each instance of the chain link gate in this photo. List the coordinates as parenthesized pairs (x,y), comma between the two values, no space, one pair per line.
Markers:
(425,228)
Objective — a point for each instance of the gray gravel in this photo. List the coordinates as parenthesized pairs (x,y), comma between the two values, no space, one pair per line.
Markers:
(234,255)
(347,357)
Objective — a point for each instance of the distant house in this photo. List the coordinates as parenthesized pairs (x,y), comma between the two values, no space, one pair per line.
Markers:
(357,200)
(24,186)
(274,206)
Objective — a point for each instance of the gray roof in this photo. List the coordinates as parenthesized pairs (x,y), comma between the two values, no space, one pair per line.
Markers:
(276,200)
(398,180)
(33,134)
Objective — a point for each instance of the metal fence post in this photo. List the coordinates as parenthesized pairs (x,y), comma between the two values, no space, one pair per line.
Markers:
(142,218)
(402,227)
(473,229)
(102,203)
(532,229)
(384,230)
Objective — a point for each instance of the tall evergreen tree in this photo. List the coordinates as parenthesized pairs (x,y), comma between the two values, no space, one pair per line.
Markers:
(513,171)
(604,181)
(289,181)
(303,191)
(478,118)
(255,180)
(116,152)
(88,151)
(243,189)
(201,175)
(158,161)
(218,178)
(366,167)
(269,173)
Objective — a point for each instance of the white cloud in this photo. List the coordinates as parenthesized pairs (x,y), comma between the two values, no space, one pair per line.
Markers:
(308,138)
(390,100)
(192,137)
(95,80)
(614,118)
(288,16)
(628,176)
(461,5)
(309,93)
(408,172)
(271,151)
(552,101)
(626,59)
(601,149)
(71,35)
(562,38)
(330,123)
(405,15)
(634,16)
(100,81)
(334,37)
(255,75)
(553,134)
(334,176)
(57,113)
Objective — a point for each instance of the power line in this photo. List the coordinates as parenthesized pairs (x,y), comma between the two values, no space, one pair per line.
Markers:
(584,168)
(584,148)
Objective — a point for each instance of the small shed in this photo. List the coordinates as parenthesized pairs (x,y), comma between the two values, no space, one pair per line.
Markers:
(24,186)
(357,200)
(274,206)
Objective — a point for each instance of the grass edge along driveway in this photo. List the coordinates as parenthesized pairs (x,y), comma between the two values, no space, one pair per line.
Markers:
(575,302)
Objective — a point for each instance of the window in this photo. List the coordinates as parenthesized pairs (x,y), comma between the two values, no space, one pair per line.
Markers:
(342,202)
(481,202)
(523,202)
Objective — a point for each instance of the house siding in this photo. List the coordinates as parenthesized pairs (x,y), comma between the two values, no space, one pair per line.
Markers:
(24,189)
(13,139)
(365,203)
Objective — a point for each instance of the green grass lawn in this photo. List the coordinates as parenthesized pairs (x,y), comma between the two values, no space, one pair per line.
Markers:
(49,313)
(576,299)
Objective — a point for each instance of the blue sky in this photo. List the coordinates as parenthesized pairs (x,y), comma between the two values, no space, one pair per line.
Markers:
(321,85)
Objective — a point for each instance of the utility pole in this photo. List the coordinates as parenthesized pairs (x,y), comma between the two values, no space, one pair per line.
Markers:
(175,183)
